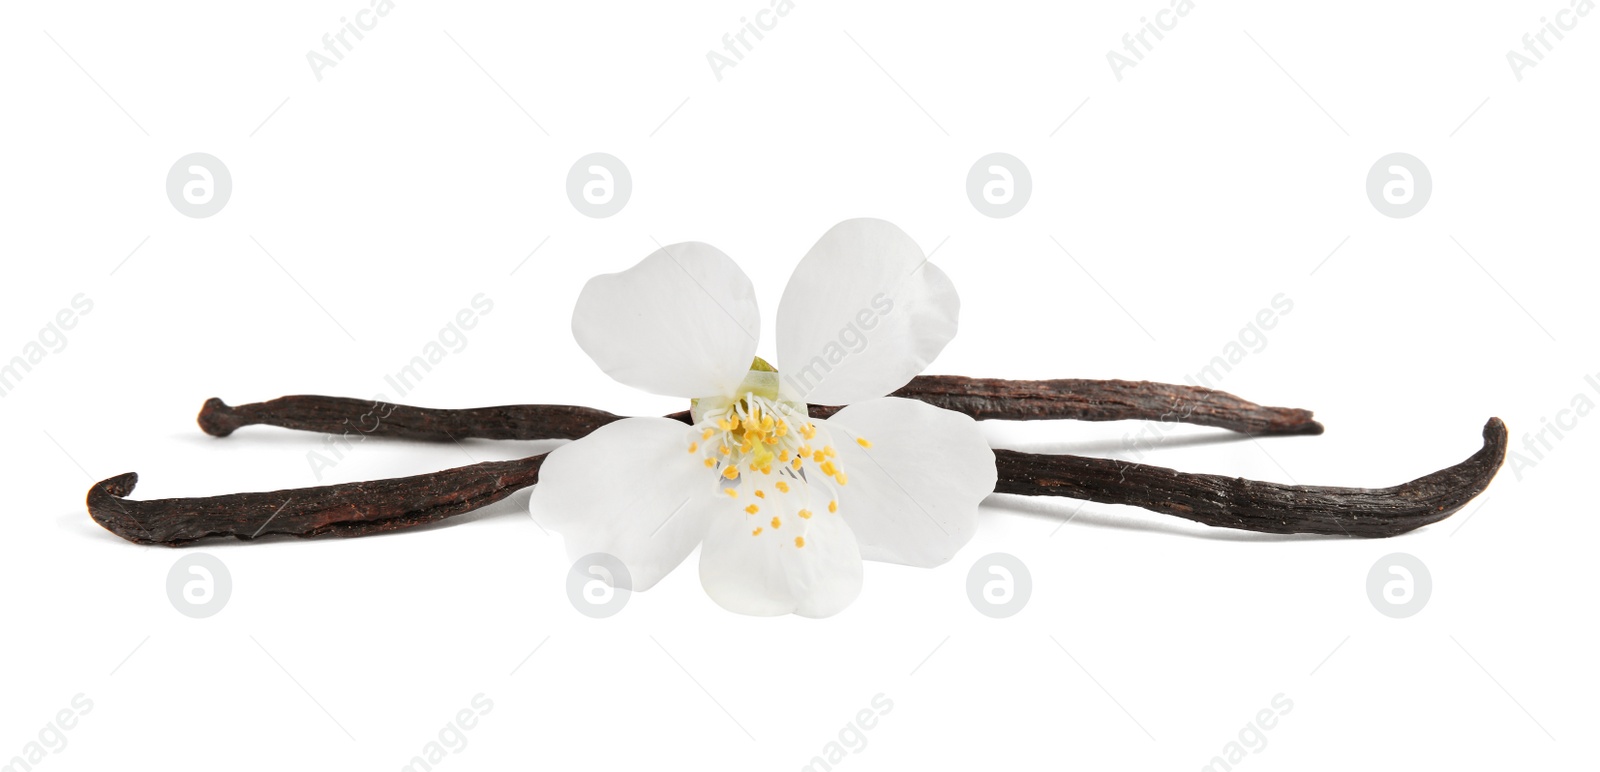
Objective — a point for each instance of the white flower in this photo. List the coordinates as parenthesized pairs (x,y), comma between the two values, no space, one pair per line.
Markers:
(784,506)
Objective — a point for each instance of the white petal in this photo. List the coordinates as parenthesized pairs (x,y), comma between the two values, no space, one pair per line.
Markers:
(863,314)
(683,322)
(912,497)
(631,490)
(767,573)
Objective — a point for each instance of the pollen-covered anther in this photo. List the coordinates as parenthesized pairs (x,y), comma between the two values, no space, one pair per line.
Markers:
(863,442)
(752,509)
(833,506)
(776,522)
(805,514)
(799,541)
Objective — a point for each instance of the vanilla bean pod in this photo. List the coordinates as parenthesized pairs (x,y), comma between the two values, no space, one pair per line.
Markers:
(349,509)
(343,415)
(980,398)
(355,509)
(1232,502)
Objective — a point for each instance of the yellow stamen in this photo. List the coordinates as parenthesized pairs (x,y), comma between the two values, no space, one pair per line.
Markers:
(862,441)
(710,462)
(730,471)
(833,506)
(827,450)
(733,493)
(799,541)
(760,494)
(752,509)
(776,522)
(756,532)
(805,514)
(783,486)
(708,433)
(841,479)
(694,446)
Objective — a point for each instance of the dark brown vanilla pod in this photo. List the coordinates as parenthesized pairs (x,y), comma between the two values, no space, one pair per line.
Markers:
(980,398)
(1232,502)
(349,509)
(356,509)
(343,415)
(1105,400)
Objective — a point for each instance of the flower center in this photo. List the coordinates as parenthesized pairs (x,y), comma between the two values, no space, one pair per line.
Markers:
(769,450)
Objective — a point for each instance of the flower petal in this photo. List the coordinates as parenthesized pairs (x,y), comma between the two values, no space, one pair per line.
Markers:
(863,314)
(912,496)
(683,322)
(630,490)
(768,572)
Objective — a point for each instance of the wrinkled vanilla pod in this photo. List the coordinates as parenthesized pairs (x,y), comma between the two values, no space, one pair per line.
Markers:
(349,509)
(355,509)
(980,398)
(1233,502)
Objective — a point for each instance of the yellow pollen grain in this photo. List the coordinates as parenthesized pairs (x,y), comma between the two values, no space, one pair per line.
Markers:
(760,494)
(722,423)
(833,506)
(710,462)
(818,457)
(733,493)
(730,471)
(724,450)
(796,463)
(827,450)
(783,486)
(805,514)
(842,480)
(694,446)
(862,441)
(708,433)
(752,509)
(756,532)
(776,522)
(799,541)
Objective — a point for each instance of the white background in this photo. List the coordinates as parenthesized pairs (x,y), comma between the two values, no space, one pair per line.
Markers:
(1222,170)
